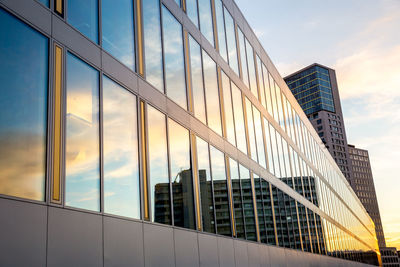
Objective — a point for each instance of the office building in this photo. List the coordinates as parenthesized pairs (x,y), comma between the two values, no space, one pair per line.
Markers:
(363,185)
(390,257)
(159,133)
(315,88)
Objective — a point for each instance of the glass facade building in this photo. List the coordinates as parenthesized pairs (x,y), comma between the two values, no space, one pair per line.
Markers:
(160,126)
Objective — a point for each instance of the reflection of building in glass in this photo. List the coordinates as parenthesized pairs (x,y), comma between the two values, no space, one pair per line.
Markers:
(390,257)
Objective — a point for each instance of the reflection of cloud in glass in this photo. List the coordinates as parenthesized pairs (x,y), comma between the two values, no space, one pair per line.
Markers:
(212,95)
(191,10)
(173,58)
(121,174)
(219,15)
(152,43)
(23,107)
(118,30)
(229,123)
(83,15)
(239,118)
(231,42)
(206,24)
(250,127)
(82,136)
(243,59)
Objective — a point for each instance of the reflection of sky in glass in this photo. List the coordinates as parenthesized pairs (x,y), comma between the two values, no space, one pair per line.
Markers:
(219,15)
(280,107)
(231,41)
(206,20)
(152,43)
(212,96)
(250,127)
(181,175)
(118,30)
(252,70)
(82,136)
(243,57)
(261,82)
(121,174)
(259,137)
(197,80)
(268,146)
(45,2)
(83,15)
(158,160)
(230,128)
(23,106)
(191,11)
(178,2)
(280,155)
(175,84)
(239,118)
(267,90)
(275,156)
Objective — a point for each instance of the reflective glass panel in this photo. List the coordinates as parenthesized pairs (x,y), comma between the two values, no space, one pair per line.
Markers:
(243,58)
(267,90)
(23,109)
(248,204)
(175,85)
(45,2)
(158,167)
(229,122)
(220,192)
(118,30)
(152,43)
(252,69)
(269,217)
(82,136)
(197,80)
(206,192)
(239,118)
(231,41)
(212,94)
(181,175)
(178,2)
(219,15)
(250,128)
(269,146)
(120,144)
(237,199)
(260,209)
(261,82)
(191,11)
(206,20)
(259,137)
(83,15)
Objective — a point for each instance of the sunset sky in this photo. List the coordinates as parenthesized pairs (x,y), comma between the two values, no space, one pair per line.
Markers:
(360,39)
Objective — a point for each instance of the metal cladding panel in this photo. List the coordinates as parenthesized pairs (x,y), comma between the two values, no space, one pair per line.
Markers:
(158,245)
(123,243)
(254,256)
(226,252)
(264,255)
(277,256)
(208,250)
(74,238)
(22,233)
(241,253)
(186,248)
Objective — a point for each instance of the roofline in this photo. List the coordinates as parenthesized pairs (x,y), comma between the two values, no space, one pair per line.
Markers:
(305,68)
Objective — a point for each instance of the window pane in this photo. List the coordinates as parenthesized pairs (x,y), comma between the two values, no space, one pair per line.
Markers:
(206,20)
(152,43)
(248,205)
(197,80)
(175,85)
(261,82)
(191,11)
(269,146)
(23,108)
(229,123)
(178,2)
(206,194)
(269,219)
(118,30)
(220,192)
(120,139)
(260,210)
(250,128)
(82,136)
(243,58)
(45,2)
(267,90)
(252,70)
(212,95)
(259,137)
(237,199)
(83,15)
(181,175)
(239,118)
(219,15)
(231,41)
(158,167)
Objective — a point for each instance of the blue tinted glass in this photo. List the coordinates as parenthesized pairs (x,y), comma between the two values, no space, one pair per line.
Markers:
(152,43)
(23,106)
(173,56)
(82,136)
(219,15)
(83,15)
(45,2)
(120,140)
(206,20)
(191,11)
(178,2)
(231,41)
(118,30)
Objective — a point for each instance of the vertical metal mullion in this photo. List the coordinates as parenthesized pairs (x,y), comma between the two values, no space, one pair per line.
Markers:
(162,47)
(238,50)
(221,105)
(229,187)
(246,124)
(195,173)
(216,43)
(171,196)
(273,214)
(139,38)
(144,161)
(188,72)
(212,187)
(241,200)
(254,130)
(101,140)
(255,206)
(59,7)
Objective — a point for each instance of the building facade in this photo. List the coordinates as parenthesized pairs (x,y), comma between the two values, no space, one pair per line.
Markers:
(390,257)
(315,88)
(363,186)
(159,133)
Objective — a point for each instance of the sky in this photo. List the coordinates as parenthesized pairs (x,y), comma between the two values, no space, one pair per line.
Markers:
(360,39)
